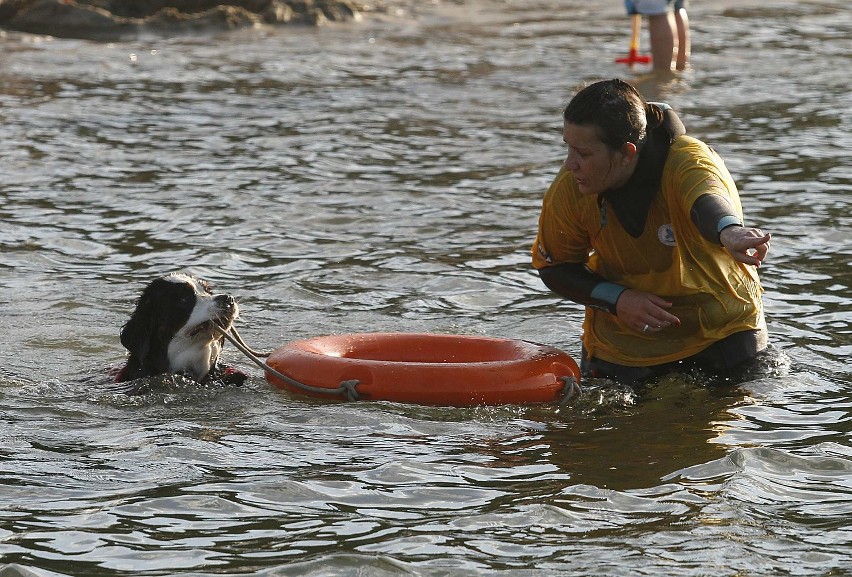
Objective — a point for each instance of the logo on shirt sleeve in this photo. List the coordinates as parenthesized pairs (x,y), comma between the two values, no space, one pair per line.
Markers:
(666,235)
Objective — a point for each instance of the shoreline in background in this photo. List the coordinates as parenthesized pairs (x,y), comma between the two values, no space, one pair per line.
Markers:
(109,20)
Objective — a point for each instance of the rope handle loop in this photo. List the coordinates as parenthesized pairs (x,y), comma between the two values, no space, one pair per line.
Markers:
(570,391)
(346,388)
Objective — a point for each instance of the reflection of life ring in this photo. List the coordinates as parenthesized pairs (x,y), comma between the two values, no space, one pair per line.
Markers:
(427,369)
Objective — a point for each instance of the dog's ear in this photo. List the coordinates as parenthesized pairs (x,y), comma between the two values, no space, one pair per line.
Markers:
(136,334)
(139,335)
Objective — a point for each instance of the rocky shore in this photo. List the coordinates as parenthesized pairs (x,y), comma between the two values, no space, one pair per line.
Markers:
(118,19)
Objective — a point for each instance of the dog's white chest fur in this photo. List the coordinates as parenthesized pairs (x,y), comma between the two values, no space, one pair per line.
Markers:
(195,347)
(194,359)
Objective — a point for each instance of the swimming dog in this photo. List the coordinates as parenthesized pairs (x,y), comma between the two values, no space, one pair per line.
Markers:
(171,331)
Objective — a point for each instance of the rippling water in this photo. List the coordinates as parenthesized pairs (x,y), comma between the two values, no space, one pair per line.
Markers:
(387,176)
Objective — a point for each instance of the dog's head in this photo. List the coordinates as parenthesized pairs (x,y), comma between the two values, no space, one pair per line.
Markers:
(171,329)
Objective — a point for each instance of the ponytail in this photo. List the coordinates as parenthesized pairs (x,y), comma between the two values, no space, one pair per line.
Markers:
(653,116)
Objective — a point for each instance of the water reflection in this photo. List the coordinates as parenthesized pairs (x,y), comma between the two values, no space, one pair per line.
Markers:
(619,440)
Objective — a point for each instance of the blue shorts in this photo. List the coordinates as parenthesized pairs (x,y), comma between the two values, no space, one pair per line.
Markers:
(652,7)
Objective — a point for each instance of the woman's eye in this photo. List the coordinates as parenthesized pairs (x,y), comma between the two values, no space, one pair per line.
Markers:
(580,153)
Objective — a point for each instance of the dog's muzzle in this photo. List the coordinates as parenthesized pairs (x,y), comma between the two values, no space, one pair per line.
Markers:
(227,308)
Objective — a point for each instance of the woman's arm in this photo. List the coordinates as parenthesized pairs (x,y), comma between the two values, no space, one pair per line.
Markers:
(718,223)
(643,312)
(576,282)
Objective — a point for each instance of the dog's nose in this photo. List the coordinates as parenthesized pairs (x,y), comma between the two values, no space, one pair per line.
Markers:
(227,301)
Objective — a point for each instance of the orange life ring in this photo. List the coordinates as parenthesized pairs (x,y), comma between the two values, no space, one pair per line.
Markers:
(427,369)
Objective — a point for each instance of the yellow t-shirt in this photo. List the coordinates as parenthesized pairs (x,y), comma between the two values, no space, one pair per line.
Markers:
(713,294)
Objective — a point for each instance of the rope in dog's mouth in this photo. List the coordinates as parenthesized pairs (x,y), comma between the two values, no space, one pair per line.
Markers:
(230,333)
(346,388)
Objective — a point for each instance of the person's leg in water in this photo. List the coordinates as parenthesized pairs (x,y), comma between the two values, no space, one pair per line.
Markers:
(662,30)
(684,42)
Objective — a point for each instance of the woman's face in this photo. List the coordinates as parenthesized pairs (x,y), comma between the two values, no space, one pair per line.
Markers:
(595,166)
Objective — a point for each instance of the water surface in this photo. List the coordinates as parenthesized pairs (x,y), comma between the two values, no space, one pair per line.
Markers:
(386,176)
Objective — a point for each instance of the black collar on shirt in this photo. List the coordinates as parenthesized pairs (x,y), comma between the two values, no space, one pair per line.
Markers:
(632,201)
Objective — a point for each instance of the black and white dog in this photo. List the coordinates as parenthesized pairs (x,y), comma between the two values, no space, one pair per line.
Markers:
(171,331)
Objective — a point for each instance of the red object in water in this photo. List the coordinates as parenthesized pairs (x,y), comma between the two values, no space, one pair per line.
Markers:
(634,57)
(425,369)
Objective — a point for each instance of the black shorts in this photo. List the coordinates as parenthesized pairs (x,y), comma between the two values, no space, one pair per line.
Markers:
(721,357)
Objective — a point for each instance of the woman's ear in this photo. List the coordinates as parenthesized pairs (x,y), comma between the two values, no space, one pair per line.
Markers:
(628,152)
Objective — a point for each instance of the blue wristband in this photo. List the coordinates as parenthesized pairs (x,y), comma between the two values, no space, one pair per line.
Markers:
(727,221)
(607,292)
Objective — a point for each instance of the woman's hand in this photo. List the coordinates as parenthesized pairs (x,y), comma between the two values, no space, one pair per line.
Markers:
(747,245)
(644,312)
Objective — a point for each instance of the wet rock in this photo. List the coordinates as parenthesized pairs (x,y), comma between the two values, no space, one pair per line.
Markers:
(114,19)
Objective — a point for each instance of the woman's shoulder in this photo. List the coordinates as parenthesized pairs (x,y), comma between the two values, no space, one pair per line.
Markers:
(692,165)
(686,151)
(563,196)
(688,144)
(563,186)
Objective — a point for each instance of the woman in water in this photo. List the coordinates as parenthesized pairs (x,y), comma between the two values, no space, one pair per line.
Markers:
(643,225)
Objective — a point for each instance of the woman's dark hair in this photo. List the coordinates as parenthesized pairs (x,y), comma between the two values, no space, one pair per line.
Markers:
(617,110)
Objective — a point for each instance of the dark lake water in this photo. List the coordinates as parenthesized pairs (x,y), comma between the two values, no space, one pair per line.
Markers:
(387,176)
